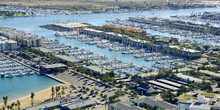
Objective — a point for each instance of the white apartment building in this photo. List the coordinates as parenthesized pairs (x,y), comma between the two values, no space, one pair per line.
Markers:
(6,44)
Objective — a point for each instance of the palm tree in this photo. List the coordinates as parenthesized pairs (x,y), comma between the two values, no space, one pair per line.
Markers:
(8,107)
(57,89)
(105,96)
(12,105)
(32,98)
(18,102)
(63,88)
(5,98)
(16,105)
(52,89)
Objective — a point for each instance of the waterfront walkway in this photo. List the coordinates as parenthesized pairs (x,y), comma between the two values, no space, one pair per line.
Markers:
(57,79)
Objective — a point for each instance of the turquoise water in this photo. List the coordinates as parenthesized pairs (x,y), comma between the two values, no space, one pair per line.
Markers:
(22,86)
(18,87)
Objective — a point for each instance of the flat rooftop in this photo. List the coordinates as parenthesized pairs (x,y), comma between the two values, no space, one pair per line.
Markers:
(42,49)
(126,105)
(71,25)
(68,58)
(209,73)
(169,82)
(43,105)
(185,77)
(5,40)
(2,38)
(153,102)
(163,85)
(79,103)
(148,74)
(97,69)
(57,65)
(73,104)
(200,106)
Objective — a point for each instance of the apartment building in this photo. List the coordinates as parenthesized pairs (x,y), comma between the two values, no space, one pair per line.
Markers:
(6,44)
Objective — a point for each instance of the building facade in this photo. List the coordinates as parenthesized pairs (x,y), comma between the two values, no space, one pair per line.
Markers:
(6,44)
(198,101)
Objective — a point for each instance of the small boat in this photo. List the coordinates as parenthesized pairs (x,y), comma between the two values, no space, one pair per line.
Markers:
(2,74)
(20,74)
(30,73)
(125,52)
(38,73)
(9,76)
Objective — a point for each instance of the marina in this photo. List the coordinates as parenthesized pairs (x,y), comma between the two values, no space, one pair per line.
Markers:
(31,25)
(10,68)
(211,17)
(164,29)
(116,46)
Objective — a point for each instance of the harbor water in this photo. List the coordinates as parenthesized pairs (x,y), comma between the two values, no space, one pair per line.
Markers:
(18,87)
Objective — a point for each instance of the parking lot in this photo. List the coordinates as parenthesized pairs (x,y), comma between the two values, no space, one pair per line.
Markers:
(81,82)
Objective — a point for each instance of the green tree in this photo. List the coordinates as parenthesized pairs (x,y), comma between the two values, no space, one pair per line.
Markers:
(63,88)
(206,47)
(168,96)
(105,97)
(87,89)
(121,86)
(12,105)
(52,90)
(96,92)
(101,95)
(8,107)
(32,98)
(19,104)
(92,91)
(16,105)
(57,90)
(5,98)
(119,93)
